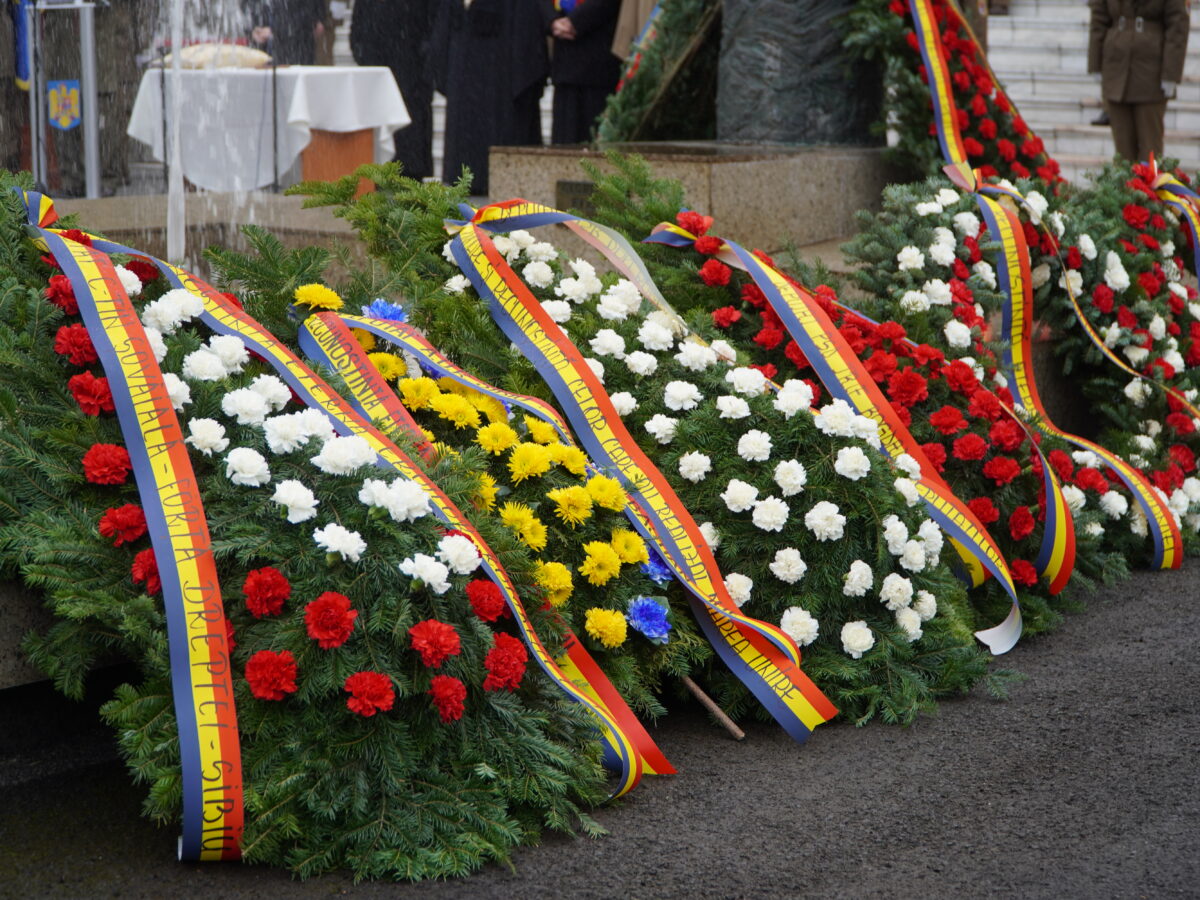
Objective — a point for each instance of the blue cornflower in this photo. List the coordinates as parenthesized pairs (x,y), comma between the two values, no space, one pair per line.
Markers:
(649,617)
(658,571)
(384,309)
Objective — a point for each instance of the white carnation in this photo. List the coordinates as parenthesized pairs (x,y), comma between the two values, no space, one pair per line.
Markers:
(711,536)
(1074,497)
(895,534)
(788,566)
(203,365)
(427,570)
(1037,206)
(207,436)
(836,419)
(300,502)
(731,407)
(574,290)
(655,337)
(754,446)
(857,639)
(538,275)
(825,521)
(540,251)
(1113,504)
(695,357)
(641,363)
(681,395)
(947,197)
(937,291)
(909,621)
(246,467)
(928,208)
(694,466)
(1157,327)
(177,390)
(957,334)
(739,587)
(739,496)
(925,605)
(662,428)
(942,254)
(896,591)
(913,557)
(131,284)
(986,273)
(246,406)
(791,477)
(285,434)
(1115,275)
(746,381)
(907,465)
(1136,355)
(623,402)
(852,463)
(858,580)
(596,366)
(931,537)
(725,351)
(456,284)
(274,391)
(1072,281)
(608,343)
(770,514)
(611,310)
(799,625)
(914,302)
(157,345)
(966,224)
(344,455)
(794,396)
(459,554)
(231,350)
(1087,246)
(558,310)
(1138,391)
(907,489)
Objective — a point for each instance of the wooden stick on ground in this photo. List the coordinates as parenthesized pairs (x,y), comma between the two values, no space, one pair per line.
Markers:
(717,712)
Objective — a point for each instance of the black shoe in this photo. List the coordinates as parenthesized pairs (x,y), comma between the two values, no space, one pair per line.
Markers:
(1101,119)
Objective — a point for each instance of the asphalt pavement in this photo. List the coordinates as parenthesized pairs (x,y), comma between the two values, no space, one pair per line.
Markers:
(1083,784)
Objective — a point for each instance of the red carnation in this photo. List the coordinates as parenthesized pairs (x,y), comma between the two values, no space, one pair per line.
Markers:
(486,599)
(1090,479)
(106,464)
(769,370)
(74,342)
(505,664)
(1102,298)
(125,524)
(1001,469)
(1020,523)
(936,454)
(1181,423)
(145,571)
(890,331)
(1023,572)
(881,365)
(793,352)
(984,509)
(925,355)
(1183,456)
(1007,435)
(854,337)
(907,387)
(61,294)
(960,377)
(435,641)
(1007,149)
(1062,465)
(691,221)
(753,295)
(1150,283)
(1136,216)
(370,692)
(985,405)
(1074,258)
(969,447)
(725,316)
(229,638)
(448,696)
(266,590)
(91,393)
(972,147)
(769,338)
(708,245)
(271,675)
(715,273)
(145,270)
(948,420)
(987,127)
(1149,241)
(329,620)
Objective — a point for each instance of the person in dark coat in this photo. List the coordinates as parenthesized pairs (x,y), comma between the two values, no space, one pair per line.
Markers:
(490,62)
(287,29)
(583,69)
(397,34)
(1137,48)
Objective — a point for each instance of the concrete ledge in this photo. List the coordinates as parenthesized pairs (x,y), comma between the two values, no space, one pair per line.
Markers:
(761,195)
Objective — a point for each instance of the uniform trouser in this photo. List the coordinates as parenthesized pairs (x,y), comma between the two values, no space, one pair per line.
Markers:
(1137,128)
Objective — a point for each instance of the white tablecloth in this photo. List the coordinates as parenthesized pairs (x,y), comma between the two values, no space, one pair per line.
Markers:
(227,136)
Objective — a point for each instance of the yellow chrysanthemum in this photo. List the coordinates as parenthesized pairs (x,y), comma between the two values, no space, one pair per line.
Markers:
(572,504)
(527,461)
(572,459)
(516,516)
(496,438)
(445,451)
(429,436)
(455,410)
(534,535)
(557,581)
(607,626)
(606,492)
(453,386)
(541,432)
(490,407)
(601,564)
(317,296)
(486,492)
(365,339)
(417,393)
(390,366)
(629,546)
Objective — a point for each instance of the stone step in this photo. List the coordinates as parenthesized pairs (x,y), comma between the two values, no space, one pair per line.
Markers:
(1022,86)
(1096,141)
(1044,112)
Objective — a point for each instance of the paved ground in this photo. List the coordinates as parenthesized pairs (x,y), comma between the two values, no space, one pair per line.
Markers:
(1083,785)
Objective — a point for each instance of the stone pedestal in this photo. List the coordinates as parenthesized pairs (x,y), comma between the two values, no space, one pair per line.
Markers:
(761,195)
(20,613)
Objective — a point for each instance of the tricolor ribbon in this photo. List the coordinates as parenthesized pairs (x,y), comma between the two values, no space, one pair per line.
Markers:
(327,339)
(941,91)
(201,670)
(1013,278)
(761,655)
(1185,201)
(844,376)
(225,317)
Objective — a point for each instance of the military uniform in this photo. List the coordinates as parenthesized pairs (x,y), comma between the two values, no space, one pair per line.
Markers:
(1138,47)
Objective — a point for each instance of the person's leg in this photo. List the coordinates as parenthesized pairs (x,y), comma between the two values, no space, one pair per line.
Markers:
(1120,117)
(1148,120)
